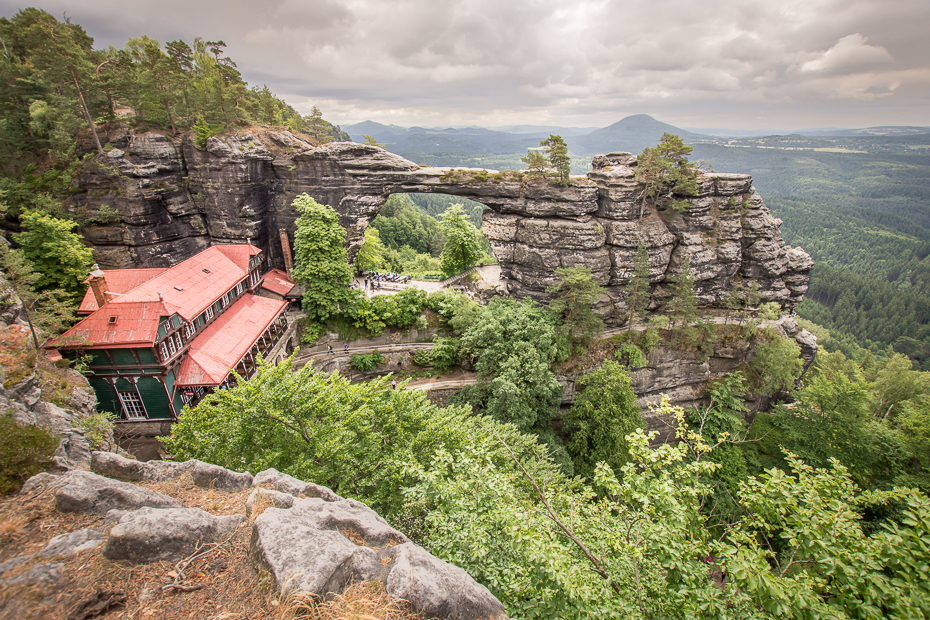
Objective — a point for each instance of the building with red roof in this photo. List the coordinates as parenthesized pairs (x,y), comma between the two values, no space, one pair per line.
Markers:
(157,339)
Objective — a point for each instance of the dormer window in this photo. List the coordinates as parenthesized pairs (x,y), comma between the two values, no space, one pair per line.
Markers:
(206,271)
(180,288)
(111,320)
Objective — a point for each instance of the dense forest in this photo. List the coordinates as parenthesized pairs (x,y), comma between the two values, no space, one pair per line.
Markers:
(57,93)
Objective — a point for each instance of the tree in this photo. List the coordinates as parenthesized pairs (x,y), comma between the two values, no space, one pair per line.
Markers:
(56,253)
(665,168)
(603,414)
(371,254)
(537,166)
(463,247)
(371,141)
(682,307)
(638,289)
(49,312)
(777,364)
(558,157)
(572,298)
(321,260)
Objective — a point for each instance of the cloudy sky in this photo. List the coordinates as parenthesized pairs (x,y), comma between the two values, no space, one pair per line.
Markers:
(750,64)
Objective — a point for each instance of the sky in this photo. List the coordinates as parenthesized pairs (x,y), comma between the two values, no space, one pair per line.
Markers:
(736,64)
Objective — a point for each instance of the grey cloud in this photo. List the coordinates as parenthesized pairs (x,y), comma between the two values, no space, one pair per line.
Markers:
(589,62)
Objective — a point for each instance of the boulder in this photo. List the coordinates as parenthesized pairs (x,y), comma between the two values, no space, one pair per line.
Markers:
(320,547)
(276,499)
(284,483)
(81,491)
(220,478)
(73,451)
(438,589)
(116,466)
(170,534)
(75,542)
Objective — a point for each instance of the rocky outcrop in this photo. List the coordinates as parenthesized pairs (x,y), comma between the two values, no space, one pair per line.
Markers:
(165,534)
(174,199)
(306,537)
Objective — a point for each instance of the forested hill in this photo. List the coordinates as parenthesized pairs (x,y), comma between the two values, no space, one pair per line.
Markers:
(57,92)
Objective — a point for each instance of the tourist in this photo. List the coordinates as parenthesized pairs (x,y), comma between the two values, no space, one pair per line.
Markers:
(331,350)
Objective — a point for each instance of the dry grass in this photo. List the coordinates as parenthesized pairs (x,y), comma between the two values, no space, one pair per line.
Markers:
(360,601)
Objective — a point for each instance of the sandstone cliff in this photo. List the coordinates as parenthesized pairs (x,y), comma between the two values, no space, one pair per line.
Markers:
(174,200)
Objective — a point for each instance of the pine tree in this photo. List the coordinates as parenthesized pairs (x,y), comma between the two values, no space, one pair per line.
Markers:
(638,288)
(558,157)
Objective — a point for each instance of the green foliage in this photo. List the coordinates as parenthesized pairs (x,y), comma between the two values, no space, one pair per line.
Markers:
(557,152)
(442,356)
(366,361)
(362,440)
(573,298)
(537,166)
(665,169)
(203,131)
(56,253)
(401,225)
(97,428)
(770,311)
(457,310)
(682,307)
(463,247)
(638,289)
(24,452)
(776,364)
(370,141)
(320,261)
(371,255)
(514,345)
(630,355)
(603,414)
(49,312)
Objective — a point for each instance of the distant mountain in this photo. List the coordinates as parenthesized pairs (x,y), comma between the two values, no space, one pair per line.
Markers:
(632,134)
(545,130)
(885,130)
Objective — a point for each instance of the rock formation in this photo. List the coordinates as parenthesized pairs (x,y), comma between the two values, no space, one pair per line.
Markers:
(174,199)
(307,538)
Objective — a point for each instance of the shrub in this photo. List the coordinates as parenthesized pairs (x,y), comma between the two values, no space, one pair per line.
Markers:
(442,356)
(770,310)
(366,361)
(97,428)
(24,452)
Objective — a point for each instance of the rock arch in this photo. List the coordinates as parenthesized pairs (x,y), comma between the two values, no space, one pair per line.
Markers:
(535,228)
(174,200)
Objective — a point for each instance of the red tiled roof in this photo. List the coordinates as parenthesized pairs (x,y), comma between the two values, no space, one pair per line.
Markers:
(278,282)
(136,323)
(221,346)
(225,265)
(118,281)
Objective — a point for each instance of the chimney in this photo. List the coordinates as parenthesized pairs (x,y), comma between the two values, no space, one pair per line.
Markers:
(98,284)
(160,298)
(286,249)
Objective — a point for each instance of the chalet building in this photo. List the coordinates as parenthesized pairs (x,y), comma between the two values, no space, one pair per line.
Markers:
(162,338)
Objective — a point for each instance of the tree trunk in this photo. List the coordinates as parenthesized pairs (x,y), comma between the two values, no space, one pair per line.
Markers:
(90,121)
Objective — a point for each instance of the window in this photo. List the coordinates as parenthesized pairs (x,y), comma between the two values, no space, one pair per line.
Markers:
(209,313)
(225,300)
(239,289)
(132,405)
(171,345)
(180,344)
(164,351)
(189,330)
(253,278)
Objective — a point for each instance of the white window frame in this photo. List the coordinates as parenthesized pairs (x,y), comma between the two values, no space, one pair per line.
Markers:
(239,289)
(253,278)
(132,405)
(209,312)
(180,343)
(164,350)
(189,330)
(171,346)
(225,300)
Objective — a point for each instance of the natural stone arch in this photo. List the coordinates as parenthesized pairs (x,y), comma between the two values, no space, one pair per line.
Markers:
(535,228)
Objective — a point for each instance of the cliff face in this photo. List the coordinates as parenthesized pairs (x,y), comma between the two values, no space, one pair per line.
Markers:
(174,199)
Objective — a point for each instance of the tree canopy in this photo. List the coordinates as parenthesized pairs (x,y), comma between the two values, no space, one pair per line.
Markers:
(463,247)
(321,261)
(665,168)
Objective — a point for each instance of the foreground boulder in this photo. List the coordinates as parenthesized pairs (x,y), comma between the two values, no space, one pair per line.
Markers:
(81,491)
(170,534)
(274,479)
(115,466)
(321,547)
